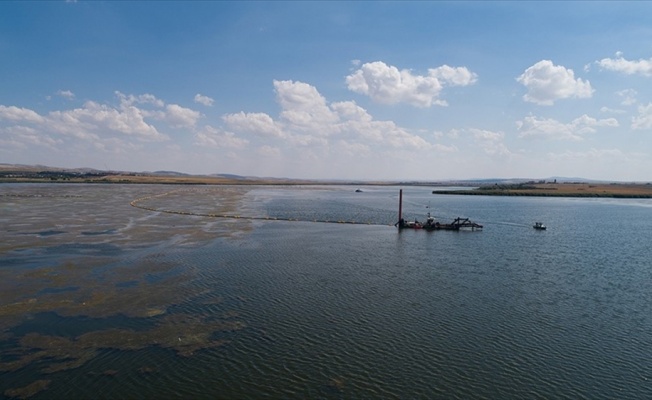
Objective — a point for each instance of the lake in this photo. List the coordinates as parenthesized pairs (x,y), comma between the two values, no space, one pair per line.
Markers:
(100,299)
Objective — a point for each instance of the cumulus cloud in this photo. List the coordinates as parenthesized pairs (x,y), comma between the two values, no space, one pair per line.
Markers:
(627,67)
(350,111)
(591,154)
(306,118)
(205,100)
(546,83)
(644,118)
(66,94)
(481,134)
(94,117)
(218,138)
(352,149)
(611,110)
(256,123)
(454,76)
(548,128)
(94,120)
(128,100)
(303,106)
(628,96)
(268,151)
(17,114)
(490,142)
(22,136)
(388,85)
(181,117)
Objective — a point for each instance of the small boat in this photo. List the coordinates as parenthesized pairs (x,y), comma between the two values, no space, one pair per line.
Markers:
(540,226)
(358,191)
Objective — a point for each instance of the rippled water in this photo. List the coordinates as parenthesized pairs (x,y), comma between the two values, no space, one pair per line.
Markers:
(297,309)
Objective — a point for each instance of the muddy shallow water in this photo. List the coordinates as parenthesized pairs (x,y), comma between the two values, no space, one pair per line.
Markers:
(103,299)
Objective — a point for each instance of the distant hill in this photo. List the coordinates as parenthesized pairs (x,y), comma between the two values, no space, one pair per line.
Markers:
(166,173)
(229,176)
(22,172)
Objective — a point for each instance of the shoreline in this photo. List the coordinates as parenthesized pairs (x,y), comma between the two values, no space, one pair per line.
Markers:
(532,189)
(578,190)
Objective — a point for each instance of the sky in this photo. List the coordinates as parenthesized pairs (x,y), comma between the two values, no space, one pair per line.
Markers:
(330,90)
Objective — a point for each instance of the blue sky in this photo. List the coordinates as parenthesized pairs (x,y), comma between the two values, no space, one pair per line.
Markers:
(330,90)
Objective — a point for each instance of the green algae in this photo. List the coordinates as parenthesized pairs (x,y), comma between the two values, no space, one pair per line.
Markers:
(28,391)
(183,333)
(123,269)
(98,294)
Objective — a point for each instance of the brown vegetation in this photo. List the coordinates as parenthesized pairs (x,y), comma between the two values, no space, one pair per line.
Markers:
(621,190)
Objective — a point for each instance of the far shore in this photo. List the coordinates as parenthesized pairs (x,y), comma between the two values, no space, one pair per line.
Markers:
(613,190)
(539,188)
(209,180)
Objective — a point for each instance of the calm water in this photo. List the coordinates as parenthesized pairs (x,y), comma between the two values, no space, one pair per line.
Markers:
(100,299)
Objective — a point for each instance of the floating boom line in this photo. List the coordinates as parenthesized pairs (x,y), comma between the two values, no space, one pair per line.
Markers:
(136,203)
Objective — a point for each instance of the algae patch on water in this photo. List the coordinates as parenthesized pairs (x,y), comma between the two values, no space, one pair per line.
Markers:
(159,286)
(113,277)
(28,391)
(183,333)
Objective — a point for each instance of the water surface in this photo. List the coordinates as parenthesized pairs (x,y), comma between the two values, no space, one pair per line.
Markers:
(152,304)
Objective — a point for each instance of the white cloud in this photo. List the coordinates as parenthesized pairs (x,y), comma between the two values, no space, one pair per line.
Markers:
(117,146)
(349,111)
(303,107)
(627,67)
(306,119)
(386,133)
(440,148)
(532,126)
(453,133)
(585,124)
(268,151)
(547,82)
(66,94)
(22,136)
(16,114)
(96,117)
(388,85)
(591,154)
(644,118)
(490,142)
(454,76)
(628,96)
(175,115)
(89,121)
(126,101)
(611,110)
(481,134)
(257,123)
(354,149)
(74,122)
(218,138)
(181,117)
(205,100)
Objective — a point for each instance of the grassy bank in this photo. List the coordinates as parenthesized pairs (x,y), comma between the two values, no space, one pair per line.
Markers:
(614,190)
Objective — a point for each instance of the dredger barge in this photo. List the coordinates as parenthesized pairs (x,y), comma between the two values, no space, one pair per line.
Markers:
(431,224)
